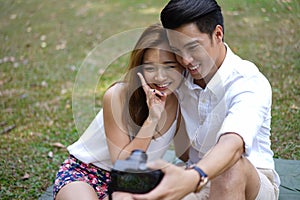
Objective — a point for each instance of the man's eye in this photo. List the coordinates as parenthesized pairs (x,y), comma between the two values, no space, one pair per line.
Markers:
(194,47)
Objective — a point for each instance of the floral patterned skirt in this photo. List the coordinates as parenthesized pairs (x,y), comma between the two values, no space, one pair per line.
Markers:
(73,170)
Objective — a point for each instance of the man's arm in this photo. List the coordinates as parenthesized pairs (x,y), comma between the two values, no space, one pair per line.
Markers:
(178,182)
(223,155)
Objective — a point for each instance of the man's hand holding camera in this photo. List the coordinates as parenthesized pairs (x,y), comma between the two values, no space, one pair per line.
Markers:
(130,182)
(133,176)
(172,174)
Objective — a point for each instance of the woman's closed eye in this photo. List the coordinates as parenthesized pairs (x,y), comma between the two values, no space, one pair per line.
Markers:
(153,68)
(148,67)
(169,67)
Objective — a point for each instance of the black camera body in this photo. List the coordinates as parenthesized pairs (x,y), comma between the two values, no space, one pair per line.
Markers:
(132,175)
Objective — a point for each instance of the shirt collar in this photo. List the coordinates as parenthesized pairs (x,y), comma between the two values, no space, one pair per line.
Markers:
(218,81)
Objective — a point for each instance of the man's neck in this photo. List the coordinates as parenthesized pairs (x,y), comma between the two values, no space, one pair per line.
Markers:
(201,82)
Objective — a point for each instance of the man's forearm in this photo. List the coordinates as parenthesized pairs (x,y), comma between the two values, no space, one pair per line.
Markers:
(223,155)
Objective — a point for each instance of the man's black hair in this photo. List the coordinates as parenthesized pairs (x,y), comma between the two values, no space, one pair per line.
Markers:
(206,14)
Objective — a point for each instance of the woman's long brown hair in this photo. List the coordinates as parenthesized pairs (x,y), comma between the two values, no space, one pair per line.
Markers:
(137,111)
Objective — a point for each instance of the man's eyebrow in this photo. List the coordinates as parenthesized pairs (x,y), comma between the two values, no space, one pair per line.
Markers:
(173,48)
(191,43)
(186,45)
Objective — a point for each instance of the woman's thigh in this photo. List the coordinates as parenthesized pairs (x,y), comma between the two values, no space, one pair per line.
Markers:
(75,175)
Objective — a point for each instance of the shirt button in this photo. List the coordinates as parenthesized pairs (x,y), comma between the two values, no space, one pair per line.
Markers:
(193,143)
(201,120)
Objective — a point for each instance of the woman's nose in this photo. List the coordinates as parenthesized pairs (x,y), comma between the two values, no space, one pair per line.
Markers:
(160,75)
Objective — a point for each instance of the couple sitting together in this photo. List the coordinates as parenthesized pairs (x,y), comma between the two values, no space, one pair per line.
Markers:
(183,84)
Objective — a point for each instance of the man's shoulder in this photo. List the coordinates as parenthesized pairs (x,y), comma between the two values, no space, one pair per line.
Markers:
(245,68)
(235,67)
(247,77)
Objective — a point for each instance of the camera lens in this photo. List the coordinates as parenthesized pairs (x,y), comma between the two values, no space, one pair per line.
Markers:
(143,167)
(132,175)
(139,155)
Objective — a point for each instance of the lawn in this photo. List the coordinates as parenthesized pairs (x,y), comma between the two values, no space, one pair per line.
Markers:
(43,45)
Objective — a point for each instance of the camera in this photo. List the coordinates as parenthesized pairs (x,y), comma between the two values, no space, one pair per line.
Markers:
(132,175)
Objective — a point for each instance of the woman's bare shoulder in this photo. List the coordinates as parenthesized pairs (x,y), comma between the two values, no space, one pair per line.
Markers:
(115,93)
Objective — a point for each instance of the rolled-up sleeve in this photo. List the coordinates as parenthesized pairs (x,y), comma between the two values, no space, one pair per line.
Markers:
(248,108)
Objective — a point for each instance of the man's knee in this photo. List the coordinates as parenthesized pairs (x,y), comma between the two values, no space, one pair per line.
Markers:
(237,177)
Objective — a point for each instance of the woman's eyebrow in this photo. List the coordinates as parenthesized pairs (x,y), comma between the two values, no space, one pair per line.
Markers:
(170,62)
(165,62)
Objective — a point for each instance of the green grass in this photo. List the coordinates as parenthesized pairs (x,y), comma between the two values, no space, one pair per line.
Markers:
(43,45)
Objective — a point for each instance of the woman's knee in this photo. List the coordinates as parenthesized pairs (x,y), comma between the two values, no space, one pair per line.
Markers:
(76,190)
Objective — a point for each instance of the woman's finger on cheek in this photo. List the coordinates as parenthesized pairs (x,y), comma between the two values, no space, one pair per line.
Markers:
(143,81)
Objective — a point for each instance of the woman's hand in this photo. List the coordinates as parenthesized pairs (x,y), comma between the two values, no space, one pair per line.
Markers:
(155,100)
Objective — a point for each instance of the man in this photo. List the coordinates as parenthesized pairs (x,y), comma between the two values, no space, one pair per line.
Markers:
(226,106)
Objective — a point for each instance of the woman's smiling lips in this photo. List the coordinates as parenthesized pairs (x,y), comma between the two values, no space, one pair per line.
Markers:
(162,86)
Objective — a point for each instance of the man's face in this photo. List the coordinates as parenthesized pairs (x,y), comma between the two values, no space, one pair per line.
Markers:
(194,50)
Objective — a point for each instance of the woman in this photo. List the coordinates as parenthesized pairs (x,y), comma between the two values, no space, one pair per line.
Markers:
(141,112)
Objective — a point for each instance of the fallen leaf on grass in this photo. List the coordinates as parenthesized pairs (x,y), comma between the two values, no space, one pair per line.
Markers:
(58,145)
(43,37)
(3,123)
(13,16)
(50,154)
(294,107)
(4,81)
(25,177)
(62,45)
(29,29)
(43,45)
(44,84)
(7,129)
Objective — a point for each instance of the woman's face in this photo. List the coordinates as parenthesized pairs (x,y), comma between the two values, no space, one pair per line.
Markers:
(161,70)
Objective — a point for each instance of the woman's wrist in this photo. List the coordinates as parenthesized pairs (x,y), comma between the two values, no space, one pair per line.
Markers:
(151,121)
(151,124)
(148,129)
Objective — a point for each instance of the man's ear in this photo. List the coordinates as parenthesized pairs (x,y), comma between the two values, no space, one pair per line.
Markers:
(218,33)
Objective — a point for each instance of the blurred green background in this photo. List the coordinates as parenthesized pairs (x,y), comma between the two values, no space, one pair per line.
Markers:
(43,45)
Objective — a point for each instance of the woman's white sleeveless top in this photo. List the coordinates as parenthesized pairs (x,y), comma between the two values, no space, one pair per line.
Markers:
(92,148)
